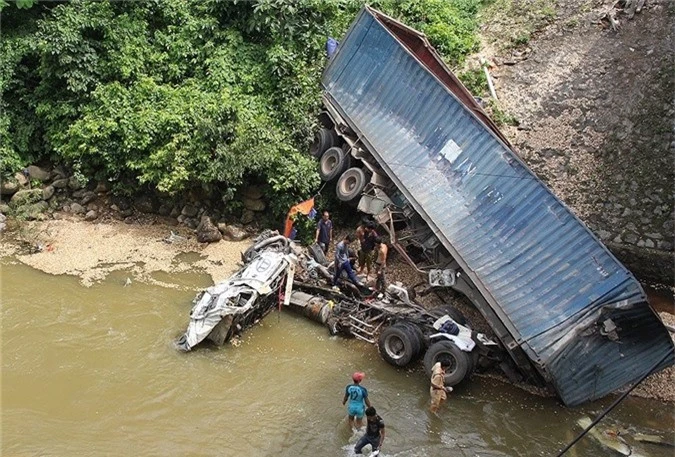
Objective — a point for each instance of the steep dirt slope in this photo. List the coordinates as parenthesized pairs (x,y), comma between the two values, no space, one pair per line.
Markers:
(595,110)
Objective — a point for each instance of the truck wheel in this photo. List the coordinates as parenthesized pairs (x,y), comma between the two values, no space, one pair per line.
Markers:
(323,139)
(396,345)
(416,335)
(460,361)
(451,311)
(351,184)
(333,163)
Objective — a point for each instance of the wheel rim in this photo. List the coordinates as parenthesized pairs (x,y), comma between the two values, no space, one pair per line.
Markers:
(348,184)
(446,356)
(329,164)
(394,347)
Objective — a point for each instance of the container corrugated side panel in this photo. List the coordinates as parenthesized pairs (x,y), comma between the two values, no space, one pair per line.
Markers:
(540,268)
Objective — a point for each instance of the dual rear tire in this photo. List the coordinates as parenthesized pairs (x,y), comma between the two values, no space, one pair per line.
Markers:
(336,163)
(324,139)
(400,344)
(333,163)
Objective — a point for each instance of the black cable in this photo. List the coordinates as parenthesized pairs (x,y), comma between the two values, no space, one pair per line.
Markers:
(616,402)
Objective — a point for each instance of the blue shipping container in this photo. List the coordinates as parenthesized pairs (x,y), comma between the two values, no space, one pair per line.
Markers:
(579,315)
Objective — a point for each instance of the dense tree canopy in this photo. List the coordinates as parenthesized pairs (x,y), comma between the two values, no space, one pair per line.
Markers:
(169,93)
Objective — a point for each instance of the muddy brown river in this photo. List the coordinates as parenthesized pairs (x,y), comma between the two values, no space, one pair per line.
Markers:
(92,371)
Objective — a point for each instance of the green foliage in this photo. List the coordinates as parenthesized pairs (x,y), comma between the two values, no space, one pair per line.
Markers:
(450,25)
(170,95)
(500,116)
(306,228)
(21,4)
(474,80)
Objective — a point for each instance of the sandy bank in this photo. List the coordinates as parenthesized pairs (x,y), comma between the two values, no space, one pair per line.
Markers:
(91,251)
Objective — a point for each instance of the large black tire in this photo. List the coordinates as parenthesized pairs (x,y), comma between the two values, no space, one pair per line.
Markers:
(323,140)
(417,336)
(451,311)
(333,163)
(351,184)
(397,345)
(460,361)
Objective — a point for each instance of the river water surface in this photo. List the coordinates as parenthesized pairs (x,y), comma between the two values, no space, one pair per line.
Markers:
(93,372)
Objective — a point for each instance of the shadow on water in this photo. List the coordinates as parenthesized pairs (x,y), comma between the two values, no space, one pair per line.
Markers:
(93,372)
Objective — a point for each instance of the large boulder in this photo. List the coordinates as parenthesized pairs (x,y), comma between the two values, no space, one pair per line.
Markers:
(76,208)
(207,232)
(74,183)
(253,205)
(88,197)
(146,204)
(35,211)
(189,211)
(232,232)
(61,183)
(38,173)
(252,192)
(26,197)
(22,179)
(48,192)
(247,216)
(9,186)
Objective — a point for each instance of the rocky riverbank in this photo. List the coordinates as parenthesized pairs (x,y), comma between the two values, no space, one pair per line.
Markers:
(39,194)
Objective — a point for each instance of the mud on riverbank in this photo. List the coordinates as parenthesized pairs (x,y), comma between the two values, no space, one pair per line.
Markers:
(91,251)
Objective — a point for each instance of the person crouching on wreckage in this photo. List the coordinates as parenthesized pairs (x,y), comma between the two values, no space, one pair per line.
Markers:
(342,261)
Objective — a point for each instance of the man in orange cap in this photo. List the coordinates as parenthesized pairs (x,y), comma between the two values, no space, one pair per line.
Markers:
(358,400)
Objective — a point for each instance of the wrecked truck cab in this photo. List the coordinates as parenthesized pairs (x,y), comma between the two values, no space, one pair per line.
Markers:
(228,308)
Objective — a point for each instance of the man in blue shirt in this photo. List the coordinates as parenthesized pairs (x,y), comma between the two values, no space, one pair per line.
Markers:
(324,232)
(358,400)
(342,261)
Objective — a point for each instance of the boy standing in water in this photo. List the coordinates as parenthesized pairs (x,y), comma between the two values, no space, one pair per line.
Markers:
(374,433)
(358,400)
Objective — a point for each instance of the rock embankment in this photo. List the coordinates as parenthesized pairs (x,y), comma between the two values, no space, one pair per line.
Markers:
(596,112)
(38,193)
